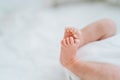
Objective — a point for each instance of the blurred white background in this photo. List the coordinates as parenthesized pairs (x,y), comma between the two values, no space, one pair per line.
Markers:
(31,30)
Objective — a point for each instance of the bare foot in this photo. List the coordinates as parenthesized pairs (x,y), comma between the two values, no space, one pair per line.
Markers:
(67,32)
(69,47)
(75,33)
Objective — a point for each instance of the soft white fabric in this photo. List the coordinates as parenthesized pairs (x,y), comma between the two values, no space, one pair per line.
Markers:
(30,38)
(105,51)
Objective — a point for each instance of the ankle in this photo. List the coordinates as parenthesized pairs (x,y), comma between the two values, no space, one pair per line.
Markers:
(72,63)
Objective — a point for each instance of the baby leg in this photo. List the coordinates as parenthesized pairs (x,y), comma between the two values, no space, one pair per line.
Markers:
(98,30)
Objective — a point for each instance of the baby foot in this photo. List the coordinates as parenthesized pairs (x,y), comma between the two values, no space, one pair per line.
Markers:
(67,32)
(75,33)
(69,47)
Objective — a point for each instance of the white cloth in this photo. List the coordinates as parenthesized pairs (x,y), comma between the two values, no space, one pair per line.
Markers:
(107,51)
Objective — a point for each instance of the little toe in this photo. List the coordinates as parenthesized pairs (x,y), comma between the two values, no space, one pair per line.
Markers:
(64,43)
(68,41)
(66,32)
(71,41)
(72,31)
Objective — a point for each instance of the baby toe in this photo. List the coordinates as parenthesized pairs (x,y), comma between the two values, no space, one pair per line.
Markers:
(71,41)
(68,41)
(64,43)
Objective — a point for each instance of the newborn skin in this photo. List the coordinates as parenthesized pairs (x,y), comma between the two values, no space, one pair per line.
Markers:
(75,33)
(98,30)
(74,39)
(69,47)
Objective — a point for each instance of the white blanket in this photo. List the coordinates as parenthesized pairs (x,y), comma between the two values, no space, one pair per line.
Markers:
(30,38)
